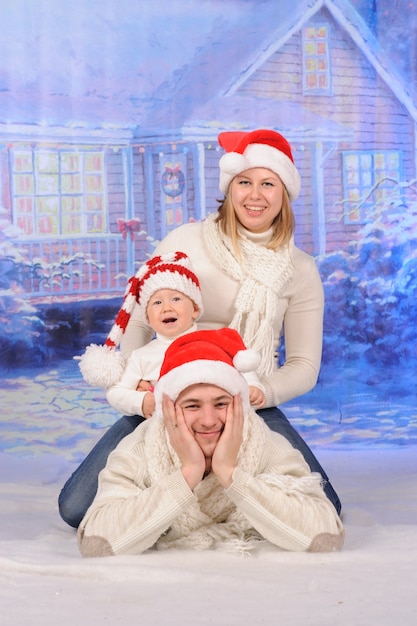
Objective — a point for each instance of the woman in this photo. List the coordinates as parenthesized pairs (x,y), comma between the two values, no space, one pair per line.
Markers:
(252,279)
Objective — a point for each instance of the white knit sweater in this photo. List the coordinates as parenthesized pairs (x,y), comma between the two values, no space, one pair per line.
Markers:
(143,500)
(299,311)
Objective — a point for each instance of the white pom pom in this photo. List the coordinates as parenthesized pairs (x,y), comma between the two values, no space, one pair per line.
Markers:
(246,360)
(101,366)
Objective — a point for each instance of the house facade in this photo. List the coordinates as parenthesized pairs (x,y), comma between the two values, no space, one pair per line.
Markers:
(89,206)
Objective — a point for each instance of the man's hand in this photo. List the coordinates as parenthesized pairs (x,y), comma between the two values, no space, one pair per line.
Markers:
(193,463)
(225,455)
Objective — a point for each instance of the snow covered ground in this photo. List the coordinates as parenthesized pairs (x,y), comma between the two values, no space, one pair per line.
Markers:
(373,581)
(49,421)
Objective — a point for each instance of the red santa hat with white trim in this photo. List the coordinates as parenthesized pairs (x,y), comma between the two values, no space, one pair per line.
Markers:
(215,357)
(102,366)
(258,148)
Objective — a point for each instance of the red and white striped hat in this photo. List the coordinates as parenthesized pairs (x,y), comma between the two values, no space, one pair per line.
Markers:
(102,366)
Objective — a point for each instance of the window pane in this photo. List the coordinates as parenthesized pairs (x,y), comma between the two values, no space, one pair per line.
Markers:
(72,204)
(71,183)
(23,184)
(22,161)
(72,224)
(60,187)
(46,162)
(47,183)
(369,180)
(70,162)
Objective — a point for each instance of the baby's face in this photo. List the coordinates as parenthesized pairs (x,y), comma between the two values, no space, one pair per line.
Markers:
(171,312)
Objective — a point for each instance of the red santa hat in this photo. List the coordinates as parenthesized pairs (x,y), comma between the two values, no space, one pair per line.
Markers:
(258,148)
(102,366)
(215,357)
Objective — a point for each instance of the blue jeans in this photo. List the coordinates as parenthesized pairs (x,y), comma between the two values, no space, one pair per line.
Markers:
(80,489)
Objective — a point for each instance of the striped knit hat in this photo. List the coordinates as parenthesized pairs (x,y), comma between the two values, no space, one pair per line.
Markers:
(102,366)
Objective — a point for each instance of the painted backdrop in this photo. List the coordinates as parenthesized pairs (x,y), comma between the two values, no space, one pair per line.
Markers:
(109,114)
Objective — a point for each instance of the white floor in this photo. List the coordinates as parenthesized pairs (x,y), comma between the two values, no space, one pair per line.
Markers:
(373,581)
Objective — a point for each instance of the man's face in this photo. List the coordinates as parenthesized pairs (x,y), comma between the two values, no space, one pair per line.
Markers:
(204,407)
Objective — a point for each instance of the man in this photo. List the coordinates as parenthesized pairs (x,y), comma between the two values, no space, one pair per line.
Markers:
(205,471)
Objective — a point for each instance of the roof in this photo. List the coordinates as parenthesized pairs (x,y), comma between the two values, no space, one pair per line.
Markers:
(151,66)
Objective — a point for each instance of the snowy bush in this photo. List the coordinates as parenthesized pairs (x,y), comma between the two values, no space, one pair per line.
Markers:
(371,289)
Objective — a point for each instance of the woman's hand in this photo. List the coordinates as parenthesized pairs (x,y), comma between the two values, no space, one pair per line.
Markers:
(193,463)
(226,452)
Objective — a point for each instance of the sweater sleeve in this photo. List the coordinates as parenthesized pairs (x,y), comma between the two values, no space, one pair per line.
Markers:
(123,396)
(286,503)
(303,332)
(253,380)
(127,516)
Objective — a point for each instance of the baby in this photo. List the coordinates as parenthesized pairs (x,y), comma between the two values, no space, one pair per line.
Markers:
(168,294)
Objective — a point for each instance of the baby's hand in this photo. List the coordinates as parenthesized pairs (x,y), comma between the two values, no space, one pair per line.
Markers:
(256,397)
(144,385)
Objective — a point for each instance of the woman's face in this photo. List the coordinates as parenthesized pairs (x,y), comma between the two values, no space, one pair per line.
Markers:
(256,196)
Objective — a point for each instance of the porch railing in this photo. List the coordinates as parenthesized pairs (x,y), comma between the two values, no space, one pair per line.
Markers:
(71,267)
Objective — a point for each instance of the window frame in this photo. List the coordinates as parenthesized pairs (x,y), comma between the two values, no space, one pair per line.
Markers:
(59,191)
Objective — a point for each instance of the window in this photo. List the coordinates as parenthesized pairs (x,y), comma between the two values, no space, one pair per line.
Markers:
(369,179)
(316,60)
(58,192)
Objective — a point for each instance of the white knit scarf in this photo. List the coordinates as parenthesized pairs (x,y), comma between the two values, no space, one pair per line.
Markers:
(212,521)
(263,275)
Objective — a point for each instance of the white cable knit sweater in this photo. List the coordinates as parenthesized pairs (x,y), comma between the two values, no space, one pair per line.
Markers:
(298,311)
(143,500)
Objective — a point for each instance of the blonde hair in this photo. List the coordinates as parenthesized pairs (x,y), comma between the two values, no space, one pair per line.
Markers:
(283,225)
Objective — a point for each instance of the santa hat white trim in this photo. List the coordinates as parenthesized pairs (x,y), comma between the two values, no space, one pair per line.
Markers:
(258,148)
(202,372)
(260,155)
(181,368)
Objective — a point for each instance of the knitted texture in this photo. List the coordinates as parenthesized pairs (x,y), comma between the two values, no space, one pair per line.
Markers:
(168,271)
(263,274)
(212,521)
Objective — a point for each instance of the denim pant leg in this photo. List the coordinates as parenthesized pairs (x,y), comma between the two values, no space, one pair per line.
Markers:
(80,489)
(277,421)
